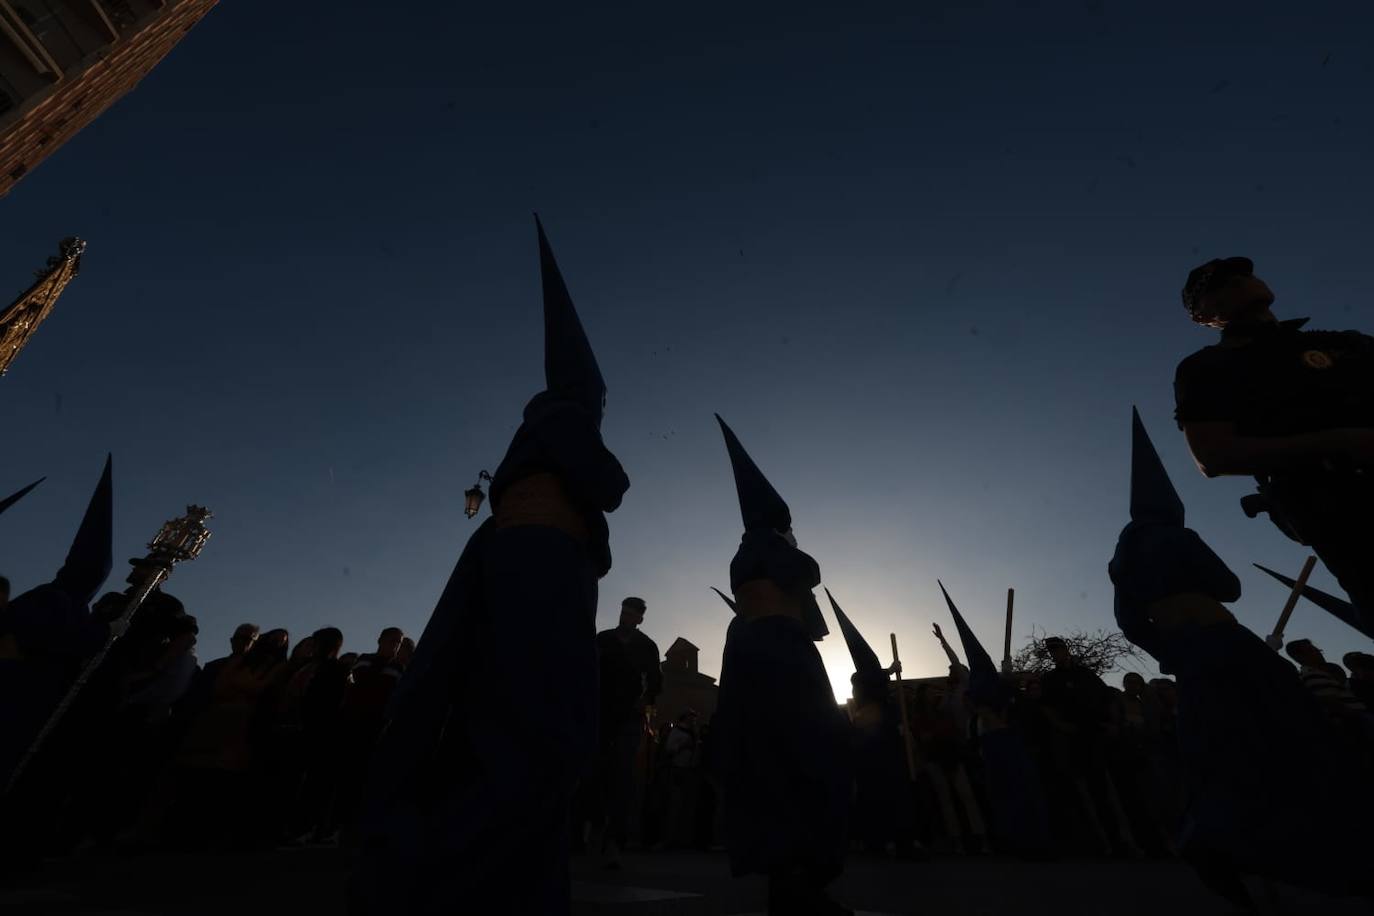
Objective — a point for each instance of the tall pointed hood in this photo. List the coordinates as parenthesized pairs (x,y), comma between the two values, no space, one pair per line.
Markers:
(15,497)
(570,368)
(1336,607)
(768,549)
(866,663)
(726,598)
(985,685)
(1153,497)
(760,505)
(91,555)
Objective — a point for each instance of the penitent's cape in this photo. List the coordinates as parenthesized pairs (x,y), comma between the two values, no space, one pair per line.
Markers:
(782,743)
(560,433)
(1272,789)
(471,779)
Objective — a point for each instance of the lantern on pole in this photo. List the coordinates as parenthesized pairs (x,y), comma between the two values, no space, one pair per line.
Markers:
(472,498)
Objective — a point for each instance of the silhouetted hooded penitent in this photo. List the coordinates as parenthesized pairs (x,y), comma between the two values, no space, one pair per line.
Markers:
(782,743)
(1339,608)
(1019,814)
(91,556)
(1245,722)
(985,685)
(866,663)
(768,549)
(472,780)
(882,811)
(1162,556)
(53,629)
(570,369)
(15,497)
(1153,497)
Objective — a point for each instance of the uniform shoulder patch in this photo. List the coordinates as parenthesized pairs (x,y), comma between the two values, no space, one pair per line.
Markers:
(1317,359)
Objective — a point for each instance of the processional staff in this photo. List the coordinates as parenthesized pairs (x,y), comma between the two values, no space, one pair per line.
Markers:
(1006,642)
(1275,639)
(179,540)
(901,706)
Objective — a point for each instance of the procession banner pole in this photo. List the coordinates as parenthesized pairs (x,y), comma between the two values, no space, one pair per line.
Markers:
(901,706)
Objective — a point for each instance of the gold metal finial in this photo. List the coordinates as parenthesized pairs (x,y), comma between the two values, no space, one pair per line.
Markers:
(69,249)
(21,318)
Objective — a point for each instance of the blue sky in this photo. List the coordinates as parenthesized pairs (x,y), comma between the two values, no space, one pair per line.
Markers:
(922,262)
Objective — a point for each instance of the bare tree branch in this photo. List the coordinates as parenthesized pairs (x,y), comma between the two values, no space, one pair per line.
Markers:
(1100,651)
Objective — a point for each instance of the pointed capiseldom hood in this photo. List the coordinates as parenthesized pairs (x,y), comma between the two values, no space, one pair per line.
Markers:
(91,556)
(570,368)
(1153,497)
(15,497)
(866,663)
(985,685)
(768,549)
(1336,607)
(726,598)
(760,505)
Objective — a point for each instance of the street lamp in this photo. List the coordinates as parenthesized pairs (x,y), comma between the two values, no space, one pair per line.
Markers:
(473,497)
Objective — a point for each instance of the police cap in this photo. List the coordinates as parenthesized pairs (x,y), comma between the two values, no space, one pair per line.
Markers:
(1212,275)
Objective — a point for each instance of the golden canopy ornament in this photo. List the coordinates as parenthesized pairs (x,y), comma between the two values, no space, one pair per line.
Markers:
(21,318)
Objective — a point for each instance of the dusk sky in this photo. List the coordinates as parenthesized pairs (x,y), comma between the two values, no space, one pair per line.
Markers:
(922,262)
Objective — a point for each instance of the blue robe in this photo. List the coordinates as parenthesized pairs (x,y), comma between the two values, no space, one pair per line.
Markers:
(883,804)
(783,748)
(54,633)
(1020,818)
(1271,789)
(495,719)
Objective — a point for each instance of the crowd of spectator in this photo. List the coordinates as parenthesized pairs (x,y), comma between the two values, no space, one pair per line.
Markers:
(1107,761)
(269,745)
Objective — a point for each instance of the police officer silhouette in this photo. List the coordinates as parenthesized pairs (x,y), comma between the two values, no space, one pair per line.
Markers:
(1292,407)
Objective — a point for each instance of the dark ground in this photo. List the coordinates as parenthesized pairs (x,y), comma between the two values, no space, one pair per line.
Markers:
(309,881)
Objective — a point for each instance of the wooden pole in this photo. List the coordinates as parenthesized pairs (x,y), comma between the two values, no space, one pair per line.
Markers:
(1276,638)
(901,706)
(1006,643)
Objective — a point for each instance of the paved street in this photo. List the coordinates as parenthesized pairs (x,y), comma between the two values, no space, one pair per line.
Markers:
(310,881)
